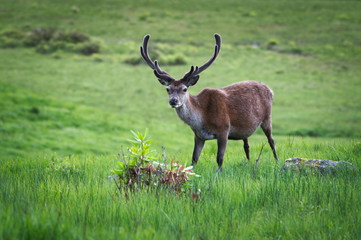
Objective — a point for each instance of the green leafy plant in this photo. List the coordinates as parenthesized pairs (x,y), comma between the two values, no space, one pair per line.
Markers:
(141,168)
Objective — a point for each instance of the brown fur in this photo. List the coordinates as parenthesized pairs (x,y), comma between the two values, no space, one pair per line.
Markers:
(233,112)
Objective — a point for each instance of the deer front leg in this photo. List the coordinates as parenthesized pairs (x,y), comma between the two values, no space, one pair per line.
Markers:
(246,147)
(222,144)
(198,146)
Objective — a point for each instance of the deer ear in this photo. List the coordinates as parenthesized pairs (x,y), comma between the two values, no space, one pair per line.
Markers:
(192,81)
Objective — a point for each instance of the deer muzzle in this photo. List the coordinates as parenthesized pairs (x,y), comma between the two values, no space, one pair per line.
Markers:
(173,102)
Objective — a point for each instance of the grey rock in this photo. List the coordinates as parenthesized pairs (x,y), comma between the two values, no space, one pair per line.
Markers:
(302,163)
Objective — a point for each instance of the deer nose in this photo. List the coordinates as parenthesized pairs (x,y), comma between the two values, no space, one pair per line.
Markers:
(173,102)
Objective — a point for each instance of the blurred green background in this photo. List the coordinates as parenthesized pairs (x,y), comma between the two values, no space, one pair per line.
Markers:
(72,81)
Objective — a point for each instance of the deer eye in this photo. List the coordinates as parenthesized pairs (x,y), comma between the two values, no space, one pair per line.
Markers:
(168,90)
(185,89)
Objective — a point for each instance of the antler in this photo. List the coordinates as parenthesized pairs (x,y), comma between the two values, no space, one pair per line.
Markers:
(197,70)
(144,52)
(191,77)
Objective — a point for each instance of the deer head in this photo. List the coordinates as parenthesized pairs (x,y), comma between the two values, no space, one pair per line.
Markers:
(178,89)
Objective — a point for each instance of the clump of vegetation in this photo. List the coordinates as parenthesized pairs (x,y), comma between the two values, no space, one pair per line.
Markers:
(293,48)
(75,9)
(144,16)
(272,43)
(250,14)
(174,59)
(133,60)
(11,39)
(140,168)
(165,53)
(49,40)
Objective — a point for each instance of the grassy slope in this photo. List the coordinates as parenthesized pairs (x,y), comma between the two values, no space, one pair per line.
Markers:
(105,103)
(52,106)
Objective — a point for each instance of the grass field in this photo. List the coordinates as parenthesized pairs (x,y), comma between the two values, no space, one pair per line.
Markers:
(64,117)
(70,198)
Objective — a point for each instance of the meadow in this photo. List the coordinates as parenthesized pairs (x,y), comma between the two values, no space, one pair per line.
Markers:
(65,116)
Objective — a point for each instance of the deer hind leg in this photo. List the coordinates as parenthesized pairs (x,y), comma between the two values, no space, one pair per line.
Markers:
(267,129)
(246,147)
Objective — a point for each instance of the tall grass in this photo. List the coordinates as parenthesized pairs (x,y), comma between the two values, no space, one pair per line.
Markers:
(61,198)
(307,52)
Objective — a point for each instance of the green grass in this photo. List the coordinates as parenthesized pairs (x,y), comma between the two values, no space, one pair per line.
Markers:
(70,197)
(102,101)
(64,117)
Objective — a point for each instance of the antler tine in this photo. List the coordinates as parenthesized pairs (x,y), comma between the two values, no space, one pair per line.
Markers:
(157,68)
(217,48)
(189,73)
(144,52)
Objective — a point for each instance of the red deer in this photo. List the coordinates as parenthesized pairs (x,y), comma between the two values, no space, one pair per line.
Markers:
(233,112)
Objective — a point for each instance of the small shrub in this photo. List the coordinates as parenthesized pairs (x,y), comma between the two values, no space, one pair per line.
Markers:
(14,34)
(168,56)
(39,36)
(294,48)
(164,53)
(70,37)
(57,55)
(97,58)
(6,42)
(133,60)
(250,14)
(49,40)
(176,59)
(343,16)
(75,9)
(11,39)
(88,48)
(44,49)
(161,48)
(34,110)
(272,43)
(144,16)
(139,168)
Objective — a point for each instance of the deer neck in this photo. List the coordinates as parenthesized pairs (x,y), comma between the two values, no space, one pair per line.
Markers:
(190,114)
